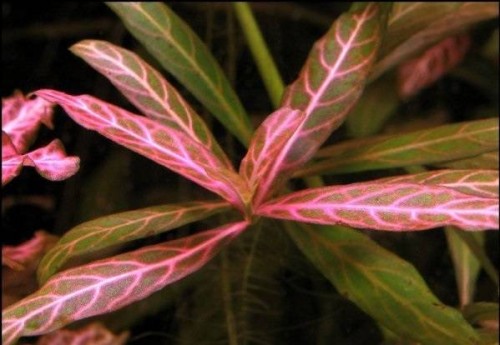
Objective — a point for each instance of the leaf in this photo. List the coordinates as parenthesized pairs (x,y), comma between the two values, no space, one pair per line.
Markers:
(384,286)
(483,183)
(422,71)
(166,146)
(381,95)
(92,334)
(261,164)
(50,161)
(22,117)
(415,26)
(17,257)
(329,85)
(481,311)
(181,52)
(110,284)
(123,227)
(488,160)
(466,265)
(145,88)
(430,146)
(385,206)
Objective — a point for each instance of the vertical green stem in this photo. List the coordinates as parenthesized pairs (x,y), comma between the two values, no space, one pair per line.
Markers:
(265,63)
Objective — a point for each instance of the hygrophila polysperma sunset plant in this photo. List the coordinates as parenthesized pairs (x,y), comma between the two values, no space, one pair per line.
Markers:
(362,45)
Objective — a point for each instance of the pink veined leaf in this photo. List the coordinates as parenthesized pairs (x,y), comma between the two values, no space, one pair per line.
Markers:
(386,206)
(482,183)
(166,146)
(327,88)
(420,72)
(93,334)
(146,88)
(50,161)
(22,117)
(267,142)
(110,284)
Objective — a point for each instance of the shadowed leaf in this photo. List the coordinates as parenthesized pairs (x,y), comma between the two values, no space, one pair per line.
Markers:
(386,287)
(181,52)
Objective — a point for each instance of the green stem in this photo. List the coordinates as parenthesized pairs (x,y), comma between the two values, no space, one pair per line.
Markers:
(265,63)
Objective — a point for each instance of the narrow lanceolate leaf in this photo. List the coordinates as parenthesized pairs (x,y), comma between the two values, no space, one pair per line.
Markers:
(466,265)
(110,284)
(329,85)
(181,52)
(123,227)
(384,286)
(415,26)
(422,71)
(266,148)
(145,88)
(166,146)
(440,144)
(385,206)
(482,183)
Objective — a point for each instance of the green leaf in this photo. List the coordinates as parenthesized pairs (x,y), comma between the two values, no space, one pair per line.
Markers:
(123,227)
(439,144)
(381,95)
(386,287)
(488,160)
(181,52)
(414,26)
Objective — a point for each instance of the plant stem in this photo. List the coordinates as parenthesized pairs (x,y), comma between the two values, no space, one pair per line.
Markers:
(262,57)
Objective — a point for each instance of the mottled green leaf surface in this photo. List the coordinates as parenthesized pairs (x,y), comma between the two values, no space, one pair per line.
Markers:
(386,287)
(181,52)
(123,227)
(439,144)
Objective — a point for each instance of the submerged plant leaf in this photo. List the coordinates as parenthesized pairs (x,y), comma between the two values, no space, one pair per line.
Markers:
(22,117)
(422,71)
(429,146)
(385,206)
(166,146)
(328,86)
(384,286)
(466,265)
(110,284)
(415,26)
(123,227)
(488,160)
(50,161)
(145,88)
(181,52)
